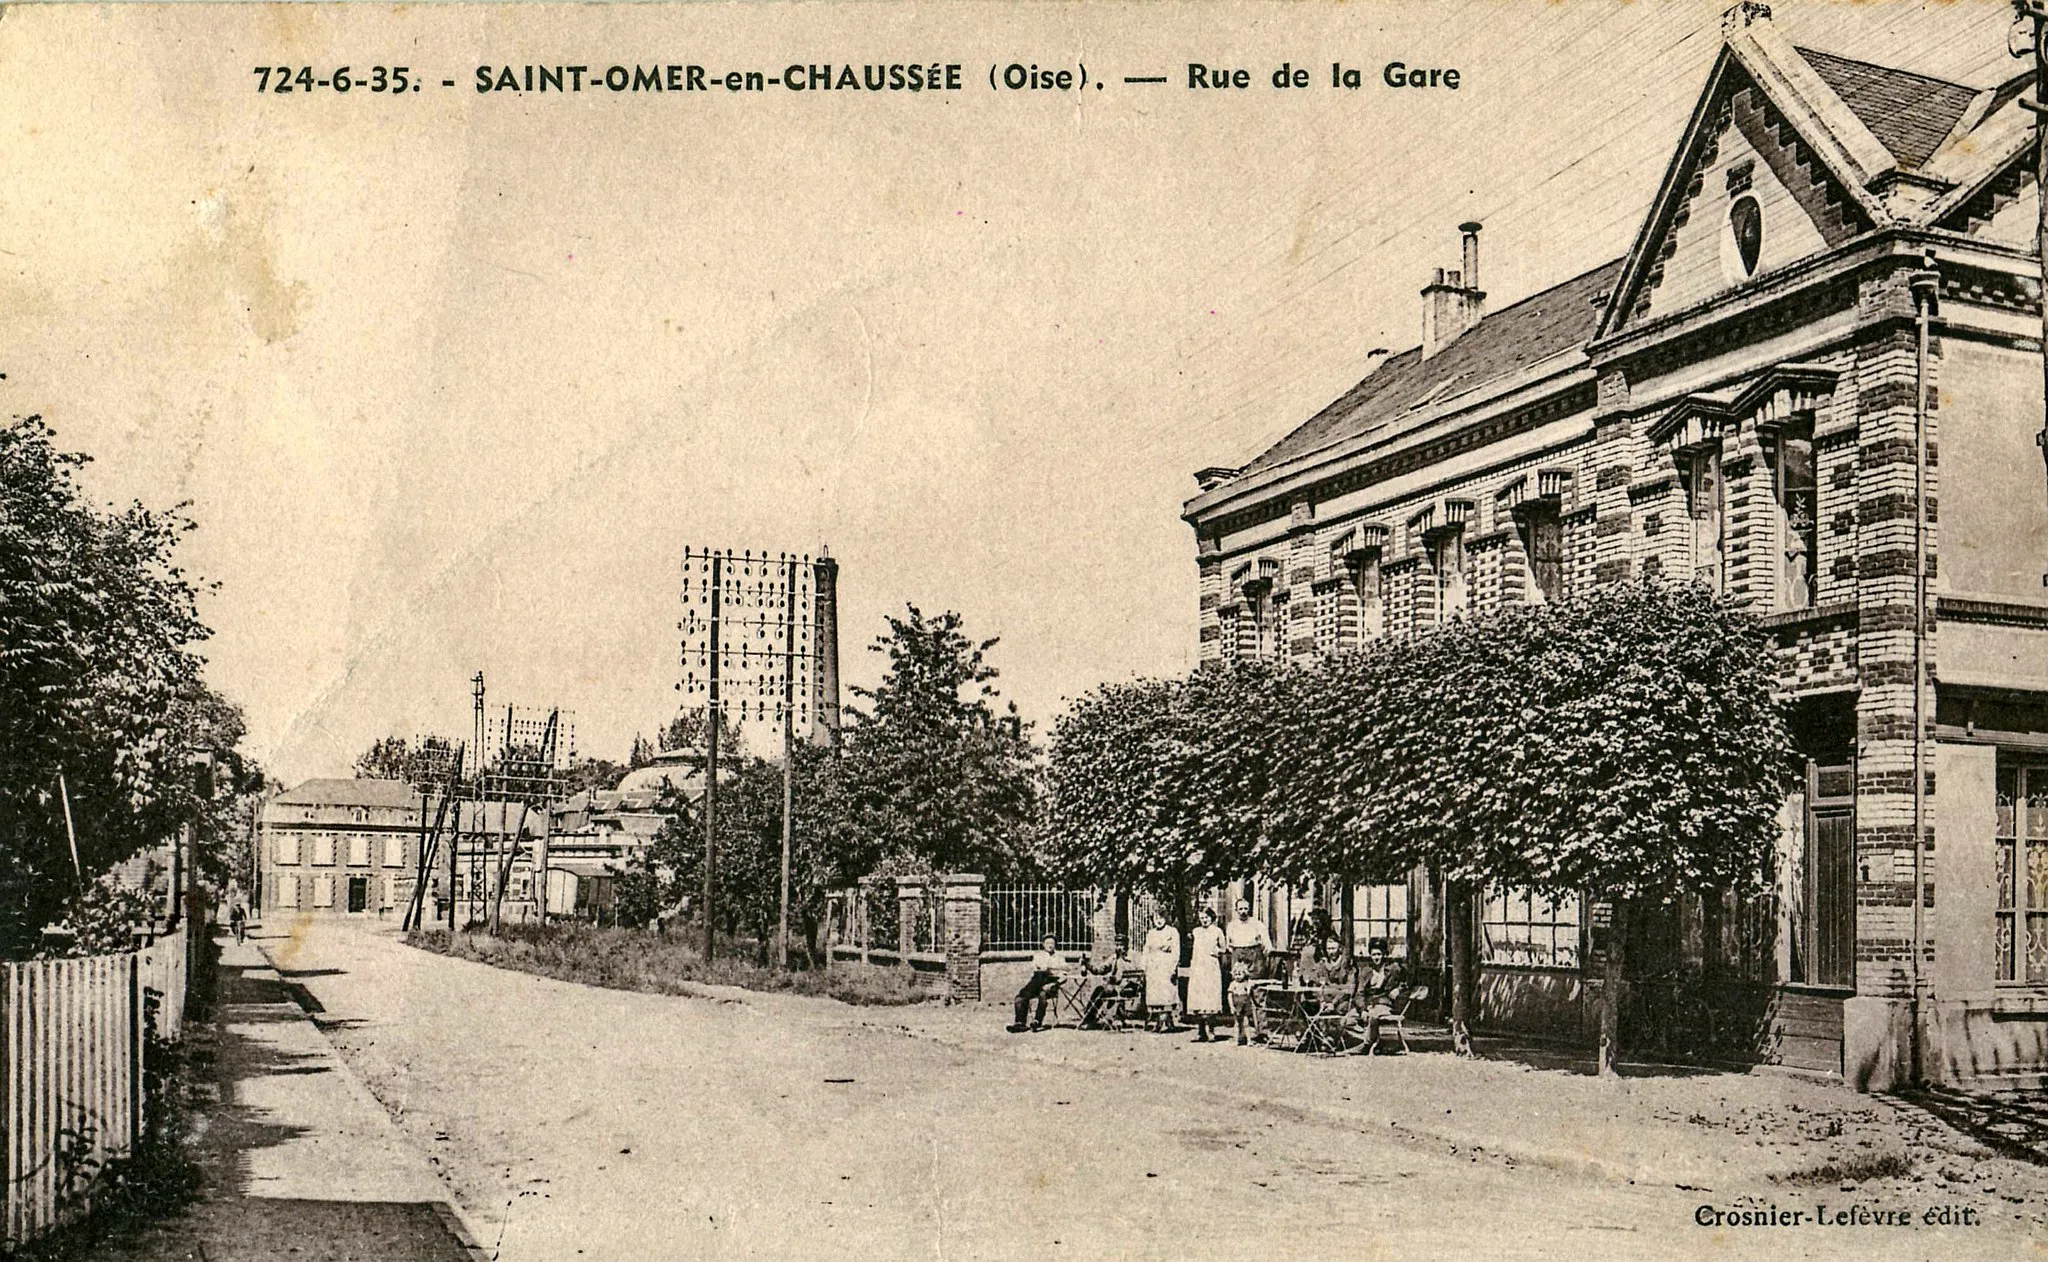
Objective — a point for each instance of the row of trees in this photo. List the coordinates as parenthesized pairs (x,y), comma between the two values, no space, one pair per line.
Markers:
(102,702)
(1626,745)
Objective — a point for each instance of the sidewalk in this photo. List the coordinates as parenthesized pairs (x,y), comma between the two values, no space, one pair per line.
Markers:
(299,1159)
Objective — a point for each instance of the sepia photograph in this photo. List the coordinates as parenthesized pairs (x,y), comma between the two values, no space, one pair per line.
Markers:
(903,629)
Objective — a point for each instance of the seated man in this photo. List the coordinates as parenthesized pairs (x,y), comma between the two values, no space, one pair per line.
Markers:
(1381,983)
(1046,964)
(1120,980)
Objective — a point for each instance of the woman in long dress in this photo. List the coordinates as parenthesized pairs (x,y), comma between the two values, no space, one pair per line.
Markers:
(1162,958)
(1205,974)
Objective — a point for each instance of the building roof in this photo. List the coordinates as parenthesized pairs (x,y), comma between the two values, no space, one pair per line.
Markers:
(352,792)
(1506,341)
(1910,114)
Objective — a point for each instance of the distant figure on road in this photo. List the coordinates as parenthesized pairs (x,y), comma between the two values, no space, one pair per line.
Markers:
(1205,974)
(238,919)
(1162,960)
(1250,944)
(1046,964)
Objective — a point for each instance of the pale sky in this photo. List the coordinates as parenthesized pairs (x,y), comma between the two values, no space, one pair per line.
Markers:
(451,379)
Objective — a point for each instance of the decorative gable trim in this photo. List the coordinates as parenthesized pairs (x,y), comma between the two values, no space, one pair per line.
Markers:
(1839,156)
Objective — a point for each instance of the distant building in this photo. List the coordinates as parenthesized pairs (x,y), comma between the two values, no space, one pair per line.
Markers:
(349,846)
(528,728)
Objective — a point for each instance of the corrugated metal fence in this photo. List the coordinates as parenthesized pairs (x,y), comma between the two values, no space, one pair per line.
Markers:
(72,1040)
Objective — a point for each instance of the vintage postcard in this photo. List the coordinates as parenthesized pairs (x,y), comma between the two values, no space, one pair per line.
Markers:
(1405,629)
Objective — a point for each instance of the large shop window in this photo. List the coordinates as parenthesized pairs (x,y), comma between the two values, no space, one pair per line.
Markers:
(1823,898)
(1520,926)
(1706,503)
(2022,937)
(1798,512)
(1380,911)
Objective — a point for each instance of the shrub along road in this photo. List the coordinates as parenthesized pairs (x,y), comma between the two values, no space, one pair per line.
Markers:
(573,1121)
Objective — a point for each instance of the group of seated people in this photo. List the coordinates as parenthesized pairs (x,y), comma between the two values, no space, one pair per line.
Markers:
(1224,975)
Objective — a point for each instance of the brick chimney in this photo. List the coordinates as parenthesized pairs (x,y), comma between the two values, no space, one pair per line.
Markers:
(1453,301)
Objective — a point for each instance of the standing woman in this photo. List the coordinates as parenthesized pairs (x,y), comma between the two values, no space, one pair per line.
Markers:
(1205,974)
(1162,958)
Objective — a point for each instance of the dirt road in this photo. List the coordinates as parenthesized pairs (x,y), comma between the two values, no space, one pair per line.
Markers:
(572,1121)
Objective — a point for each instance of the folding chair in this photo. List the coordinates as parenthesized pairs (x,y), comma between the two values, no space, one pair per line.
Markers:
(1280,1015)
(1070,1000)
(1397,1020)
(1324,1032)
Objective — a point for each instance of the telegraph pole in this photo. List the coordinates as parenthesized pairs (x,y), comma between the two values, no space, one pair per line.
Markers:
(713,714)
(788,756)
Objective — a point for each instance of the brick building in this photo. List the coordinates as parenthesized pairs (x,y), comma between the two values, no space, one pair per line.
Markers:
(1744,399)
(339,846)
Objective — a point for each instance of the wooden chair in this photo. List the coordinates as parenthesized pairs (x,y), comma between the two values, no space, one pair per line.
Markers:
(1397,1020)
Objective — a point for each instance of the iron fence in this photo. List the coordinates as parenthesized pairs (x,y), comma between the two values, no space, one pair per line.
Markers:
(1019,919)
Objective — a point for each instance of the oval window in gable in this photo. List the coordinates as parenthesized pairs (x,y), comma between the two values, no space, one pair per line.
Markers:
(1746,222)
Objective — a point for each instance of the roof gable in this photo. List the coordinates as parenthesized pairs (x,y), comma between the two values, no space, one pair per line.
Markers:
(1810,154)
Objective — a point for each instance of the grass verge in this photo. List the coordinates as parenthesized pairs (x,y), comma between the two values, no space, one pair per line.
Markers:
(631,959)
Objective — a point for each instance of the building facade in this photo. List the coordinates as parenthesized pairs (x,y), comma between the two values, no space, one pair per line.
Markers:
(346,846)
(1815,378)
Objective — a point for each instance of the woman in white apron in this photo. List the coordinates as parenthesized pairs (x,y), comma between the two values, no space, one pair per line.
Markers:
(1162,960)
(1205,974)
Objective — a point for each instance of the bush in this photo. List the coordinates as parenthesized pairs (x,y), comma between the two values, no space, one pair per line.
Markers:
(635,959)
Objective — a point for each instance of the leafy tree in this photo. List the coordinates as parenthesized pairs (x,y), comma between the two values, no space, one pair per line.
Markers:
(688,730)
(1156,786)
(932,770)
(1626,745)
(100,683)
(593,773)
(396,758)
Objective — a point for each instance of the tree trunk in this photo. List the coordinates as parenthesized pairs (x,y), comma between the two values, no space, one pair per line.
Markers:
(1458,928)
(1611,988)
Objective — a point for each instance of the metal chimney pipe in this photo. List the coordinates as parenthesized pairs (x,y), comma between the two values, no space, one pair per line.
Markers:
(1471,260)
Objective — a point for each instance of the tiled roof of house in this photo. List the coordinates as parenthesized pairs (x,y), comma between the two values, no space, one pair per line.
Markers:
(1502,343)
(1910,114)
(354,792)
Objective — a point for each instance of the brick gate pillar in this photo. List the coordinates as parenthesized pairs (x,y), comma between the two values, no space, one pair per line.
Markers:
(909,903)
(962,934)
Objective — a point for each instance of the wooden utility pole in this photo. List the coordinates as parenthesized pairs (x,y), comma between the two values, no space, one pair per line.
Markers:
(713,715)
(788,757)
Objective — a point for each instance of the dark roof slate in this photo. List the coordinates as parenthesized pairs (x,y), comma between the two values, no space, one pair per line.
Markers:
(1504,342)
(360,791)
(1910,114)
